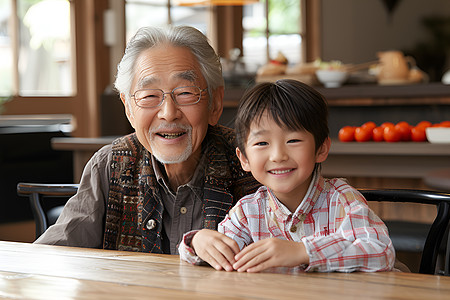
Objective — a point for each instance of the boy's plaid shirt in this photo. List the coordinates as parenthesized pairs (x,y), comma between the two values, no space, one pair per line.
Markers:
(340,232)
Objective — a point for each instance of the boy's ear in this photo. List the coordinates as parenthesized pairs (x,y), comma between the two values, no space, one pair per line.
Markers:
(244,161)
(128,111)
(322,152)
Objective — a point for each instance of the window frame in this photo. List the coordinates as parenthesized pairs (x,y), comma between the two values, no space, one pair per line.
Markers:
(91,73)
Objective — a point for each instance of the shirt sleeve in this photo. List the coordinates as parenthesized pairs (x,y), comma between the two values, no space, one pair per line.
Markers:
(236,226)
(81,222)
(360,243)
(187,253)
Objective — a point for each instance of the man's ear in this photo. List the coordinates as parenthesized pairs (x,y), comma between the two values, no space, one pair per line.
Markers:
(216,106)
(128,109)
(244,161)
(322,152)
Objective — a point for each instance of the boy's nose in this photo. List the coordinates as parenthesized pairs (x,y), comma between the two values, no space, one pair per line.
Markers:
(278,154)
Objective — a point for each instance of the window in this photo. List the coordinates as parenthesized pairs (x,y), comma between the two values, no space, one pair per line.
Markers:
(35,47)
(139,13)
(270,27)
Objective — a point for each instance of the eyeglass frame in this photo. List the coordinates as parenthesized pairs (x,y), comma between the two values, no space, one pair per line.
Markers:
(172,96)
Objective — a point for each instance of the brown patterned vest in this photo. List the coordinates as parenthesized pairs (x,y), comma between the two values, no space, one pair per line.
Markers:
(134,193)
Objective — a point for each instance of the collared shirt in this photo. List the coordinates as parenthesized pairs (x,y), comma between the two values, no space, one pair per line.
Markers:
(182,209)
(339,231)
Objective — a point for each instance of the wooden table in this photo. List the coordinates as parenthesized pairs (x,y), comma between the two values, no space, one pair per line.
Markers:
(30,271)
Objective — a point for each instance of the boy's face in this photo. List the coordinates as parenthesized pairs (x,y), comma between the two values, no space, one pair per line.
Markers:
(281,159)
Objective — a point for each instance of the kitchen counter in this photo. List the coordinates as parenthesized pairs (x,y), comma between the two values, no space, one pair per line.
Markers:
(387,160)
(389,165)
(364,165)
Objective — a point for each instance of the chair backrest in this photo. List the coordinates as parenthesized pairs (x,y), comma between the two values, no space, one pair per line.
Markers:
(37,193)
(438,228)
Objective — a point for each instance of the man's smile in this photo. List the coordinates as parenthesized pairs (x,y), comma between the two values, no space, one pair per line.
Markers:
(171,135)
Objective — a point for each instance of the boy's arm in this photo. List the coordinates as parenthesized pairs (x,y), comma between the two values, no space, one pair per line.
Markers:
(360,243)
(217,248)
(208,246)
(271,253)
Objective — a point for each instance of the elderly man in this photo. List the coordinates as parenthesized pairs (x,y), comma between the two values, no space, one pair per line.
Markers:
(178,171)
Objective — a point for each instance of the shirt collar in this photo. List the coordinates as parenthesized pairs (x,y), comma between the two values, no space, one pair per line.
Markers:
(308,202)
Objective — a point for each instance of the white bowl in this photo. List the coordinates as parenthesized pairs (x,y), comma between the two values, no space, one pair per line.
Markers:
(438,134)
(331,78)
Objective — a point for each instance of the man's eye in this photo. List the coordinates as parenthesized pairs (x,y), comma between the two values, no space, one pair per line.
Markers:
(185,94)
(150,96)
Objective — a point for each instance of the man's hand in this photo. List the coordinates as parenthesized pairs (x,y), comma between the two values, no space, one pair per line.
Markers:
(215,248)
(270,253)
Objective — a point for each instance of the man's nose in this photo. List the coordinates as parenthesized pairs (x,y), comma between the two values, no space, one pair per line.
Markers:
(168,109)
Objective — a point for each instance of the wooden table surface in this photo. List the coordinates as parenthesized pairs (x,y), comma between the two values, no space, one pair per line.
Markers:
(29,271)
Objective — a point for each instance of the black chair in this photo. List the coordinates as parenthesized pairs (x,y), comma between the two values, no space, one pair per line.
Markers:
(437,230)
(38,194)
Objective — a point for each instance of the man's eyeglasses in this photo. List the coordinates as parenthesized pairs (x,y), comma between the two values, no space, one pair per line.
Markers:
(186,95)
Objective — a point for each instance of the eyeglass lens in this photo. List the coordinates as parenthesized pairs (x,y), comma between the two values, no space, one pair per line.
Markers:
(154,97)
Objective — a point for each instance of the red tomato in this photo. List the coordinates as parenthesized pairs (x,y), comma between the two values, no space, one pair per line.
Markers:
(369,125)
(418,134)
(391,134)
(377,134)
(424,124)
(387,124)
(405,131)
(347,134)
(363,134)
(444,124)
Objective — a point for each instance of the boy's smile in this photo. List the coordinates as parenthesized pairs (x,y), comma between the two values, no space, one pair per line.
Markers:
(281,159)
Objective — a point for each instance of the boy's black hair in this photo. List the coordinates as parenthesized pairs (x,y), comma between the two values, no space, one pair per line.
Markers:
(290,103)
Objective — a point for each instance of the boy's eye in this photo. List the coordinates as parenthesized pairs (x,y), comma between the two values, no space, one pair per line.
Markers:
(294,141)
(261,144)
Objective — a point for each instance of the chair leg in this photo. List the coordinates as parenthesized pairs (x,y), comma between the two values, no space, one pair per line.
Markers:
(39,215)
(447,257)
(431,248)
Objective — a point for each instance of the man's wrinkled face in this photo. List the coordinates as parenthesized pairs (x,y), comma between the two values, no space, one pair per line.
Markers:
(170,132)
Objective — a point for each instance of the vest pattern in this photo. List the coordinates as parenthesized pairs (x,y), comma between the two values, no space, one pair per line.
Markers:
(134,193)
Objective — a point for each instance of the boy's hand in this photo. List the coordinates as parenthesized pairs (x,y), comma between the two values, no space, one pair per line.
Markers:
(215,248)
(270,253)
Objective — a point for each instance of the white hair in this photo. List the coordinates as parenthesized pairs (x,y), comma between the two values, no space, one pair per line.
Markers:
(179,36)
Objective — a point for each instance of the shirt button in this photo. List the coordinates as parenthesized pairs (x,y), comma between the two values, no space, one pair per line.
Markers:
(293,229)
(183,210)
(150,224)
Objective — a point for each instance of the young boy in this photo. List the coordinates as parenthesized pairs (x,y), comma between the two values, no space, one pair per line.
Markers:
(298,218)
